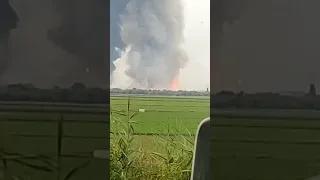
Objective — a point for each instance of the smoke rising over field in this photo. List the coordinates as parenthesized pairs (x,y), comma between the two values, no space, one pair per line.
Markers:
(152,31)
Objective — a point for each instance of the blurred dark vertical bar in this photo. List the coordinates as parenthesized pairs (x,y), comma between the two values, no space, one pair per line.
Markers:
(265,120)
(84,33)
(8,21)
(51,35)
(221,12)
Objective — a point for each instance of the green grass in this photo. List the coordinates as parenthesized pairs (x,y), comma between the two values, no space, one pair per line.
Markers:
(133,156)
(166,152)
(29,135)
(243,148)
(180,115)
(265,149)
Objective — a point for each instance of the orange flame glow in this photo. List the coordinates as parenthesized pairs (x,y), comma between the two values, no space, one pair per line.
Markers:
(175,84)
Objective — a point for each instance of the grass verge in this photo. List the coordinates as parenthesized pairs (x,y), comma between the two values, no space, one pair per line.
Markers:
(169,159)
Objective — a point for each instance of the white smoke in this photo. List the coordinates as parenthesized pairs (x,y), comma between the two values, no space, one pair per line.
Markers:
(156,51)
(118,77)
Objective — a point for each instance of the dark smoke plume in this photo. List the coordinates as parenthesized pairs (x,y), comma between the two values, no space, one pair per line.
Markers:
(153,29)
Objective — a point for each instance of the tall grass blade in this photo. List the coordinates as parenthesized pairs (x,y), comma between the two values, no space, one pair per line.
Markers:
(59,145)
(132,116)
(76,169)
(36,167)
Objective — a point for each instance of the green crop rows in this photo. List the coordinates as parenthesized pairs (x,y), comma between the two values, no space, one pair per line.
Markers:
(265,144)
(178,115)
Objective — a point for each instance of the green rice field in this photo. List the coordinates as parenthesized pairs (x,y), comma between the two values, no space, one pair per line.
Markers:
(34,142)
(246,144)
(161,115)
(52,141)
(265,144)
(162,136)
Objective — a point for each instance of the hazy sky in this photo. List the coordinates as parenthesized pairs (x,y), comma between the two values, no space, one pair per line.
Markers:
(196,74)
(274,47)
(116,7)
(38,59)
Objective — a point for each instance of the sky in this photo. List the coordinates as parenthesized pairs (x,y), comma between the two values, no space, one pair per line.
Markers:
(38,44)
(116,7)
(273,47)
(35,53)
(197,44)
(196,74)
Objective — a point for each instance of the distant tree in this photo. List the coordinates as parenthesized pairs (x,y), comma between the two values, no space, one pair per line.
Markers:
(63,96)
(29,86)
(56,88)
(226,93)
(16,86)
(312,90)
(241,93)
(78,87)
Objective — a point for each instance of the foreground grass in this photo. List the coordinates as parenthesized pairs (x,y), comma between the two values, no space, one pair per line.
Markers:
(171,160)
(132,156)
(153,157)
(265,149)
(35,146)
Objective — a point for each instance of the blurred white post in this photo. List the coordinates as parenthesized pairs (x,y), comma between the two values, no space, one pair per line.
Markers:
(317,177)
(202,153)
(149,98)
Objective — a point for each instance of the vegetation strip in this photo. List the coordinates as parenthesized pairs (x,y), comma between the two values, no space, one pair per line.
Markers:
(266,141)
(66,121)
(265,127)
(259,118)
(54,136)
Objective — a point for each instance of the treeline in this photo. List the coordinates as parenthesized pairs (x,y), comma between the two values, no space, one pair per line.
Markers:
(77,93)
(227,99)
(163,92)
